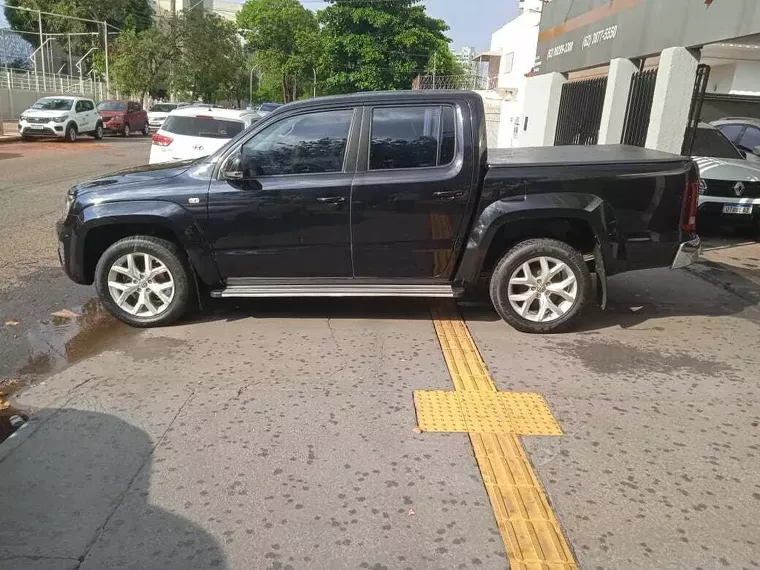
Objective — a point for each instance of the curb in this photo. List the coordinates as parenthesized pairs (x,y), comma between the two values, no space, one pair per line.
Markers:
(9,139)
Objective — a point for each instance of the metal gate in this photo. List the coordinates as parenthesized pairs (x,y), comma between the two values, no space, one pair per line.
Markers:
(580,112)
(695,112)
(639,109)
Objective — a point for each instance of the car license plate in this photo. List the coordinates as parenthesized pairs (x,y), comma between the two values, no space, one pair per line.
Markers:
(40,127)
(737,209)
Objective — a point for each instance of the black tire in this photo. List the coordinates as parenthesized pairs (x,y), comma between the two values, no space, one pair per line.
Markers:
(127,130)
(97,134)
(171,256)
(514,260)
(71,133)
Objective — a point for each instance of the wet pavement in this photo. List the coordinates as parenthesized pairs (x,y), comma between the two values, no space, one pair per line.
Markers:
(281,433)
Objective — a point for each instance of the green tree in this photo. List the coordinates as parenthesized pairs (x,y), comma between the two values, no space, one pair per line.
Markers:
(371,45)
(284,37)
(140,61)
(442,62)
(210,57)
(118,13)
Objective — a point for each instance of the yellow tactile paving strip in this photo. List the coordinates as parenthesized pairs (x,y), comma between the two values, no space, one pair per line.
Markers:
(482,411)
(532,536)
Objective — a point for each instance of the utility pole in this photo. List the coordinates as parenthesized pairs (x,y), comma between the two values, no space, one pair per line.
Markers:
(108,79)
(42,42)
(314,69)
(434,62)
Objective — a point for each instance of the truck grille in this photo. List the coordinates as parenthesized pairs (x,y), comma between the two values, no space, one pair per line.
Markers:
(727,188)
(40,120)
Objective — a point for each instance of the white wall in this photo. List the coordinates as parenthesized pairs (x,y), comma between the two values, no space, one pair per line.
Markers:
(746,78)
(721,78)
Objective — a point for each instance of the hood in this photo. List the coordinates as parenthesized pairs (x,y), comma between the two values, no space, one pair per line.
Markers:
(118,180)
(157,114)
(730,169)
(44,113)
(111,114)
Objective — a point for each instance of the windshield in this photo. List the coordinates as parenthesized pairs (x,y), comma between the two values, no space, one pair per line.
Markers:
(112,106)
(53,104)
(205,127)
(162,108)
(713,143)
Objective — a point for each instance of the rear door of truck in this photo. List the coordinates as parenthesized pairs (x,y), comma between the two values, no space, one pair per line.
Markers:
(412,189)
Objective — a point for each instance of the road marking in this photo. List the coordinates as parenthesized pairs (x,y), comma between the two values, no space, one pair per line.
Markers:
(533,538)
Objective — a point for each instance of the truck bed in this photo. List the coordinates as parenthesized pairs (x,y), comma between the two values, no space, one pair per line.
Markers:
(578,155)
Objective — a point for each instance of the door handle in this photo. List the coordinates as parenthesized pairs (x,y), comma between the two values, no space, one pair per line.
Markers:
(449,194)
(331,199)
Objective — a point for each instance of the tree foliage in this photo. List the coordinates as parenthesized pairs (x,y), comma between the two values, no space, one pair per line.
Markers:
(137,14)
(140,62)
(371,45)
(284,38)
(210,56)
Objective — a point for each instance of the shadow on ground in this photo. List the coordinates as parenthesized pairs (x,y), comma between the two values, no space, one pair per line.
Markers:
(75,494)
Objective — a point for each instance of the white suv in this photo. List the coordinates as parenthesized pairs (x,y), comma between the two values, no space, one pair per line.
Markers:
(62,117)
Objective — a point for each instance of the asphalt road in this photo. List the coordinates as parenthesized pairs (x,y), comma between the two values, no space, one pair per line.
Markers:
(279,434)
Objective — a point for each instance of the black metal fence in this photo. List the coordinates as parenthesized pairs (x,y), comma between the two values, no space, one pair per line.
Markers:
(695,112)
(580,112)
(639,108)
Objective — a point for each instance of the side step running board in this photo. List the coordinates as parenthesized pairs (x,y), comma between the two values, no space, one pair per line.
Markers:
(346,290)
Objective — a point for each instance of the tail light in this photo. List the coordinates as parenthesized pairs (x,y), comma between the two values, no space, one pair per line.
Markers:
(161,140)
(690,203)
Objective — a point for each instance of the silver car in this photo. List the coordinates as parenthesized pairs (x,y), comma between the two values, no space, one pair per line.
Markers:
(729,183)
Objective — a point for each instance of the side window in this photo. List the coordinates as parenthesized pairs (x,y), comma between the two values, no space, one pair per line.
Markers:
(80,108)
(412,137)
(732,131)
(751,139)
(303,144)
(89,105)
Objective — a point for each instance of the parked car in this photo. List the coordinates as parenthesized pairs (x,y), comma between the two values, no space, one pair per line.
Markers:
(729,191)
(378,195)
(158,113)
(62,117)
(744,132)
(193,132)
(266,108)
(124,117)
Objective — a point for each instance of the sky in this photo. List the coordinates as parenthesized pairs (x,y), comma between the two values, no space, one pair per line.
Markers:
(472,21)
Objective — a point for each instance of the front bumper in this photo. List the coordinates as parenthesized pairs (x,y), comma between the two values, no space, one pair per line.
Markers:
(688,253)
(68,246)
(41,129)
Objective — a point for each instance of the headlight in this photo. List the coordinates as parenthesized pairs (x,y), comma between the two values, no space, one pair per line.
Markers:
(702,186)
(67,204)
(23,117)
(60,118)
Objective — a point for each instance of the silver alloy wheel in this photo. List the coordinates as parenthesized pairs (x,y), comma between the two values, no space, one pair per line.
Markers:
(141,284)
(72,134)
(542,289)
(126,130)
(99,132)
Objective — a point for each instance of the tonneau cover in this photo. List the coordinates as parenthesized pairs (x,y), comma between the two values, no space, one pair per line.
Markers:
(569,155)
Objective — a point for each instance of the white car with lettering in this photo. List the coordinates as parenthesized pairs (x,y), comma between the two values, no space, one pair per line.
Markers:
(194,132)
(62,117)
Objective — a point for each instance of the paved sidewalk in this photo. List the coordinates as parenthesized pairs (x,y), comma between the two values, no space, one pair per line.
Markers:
(9,132)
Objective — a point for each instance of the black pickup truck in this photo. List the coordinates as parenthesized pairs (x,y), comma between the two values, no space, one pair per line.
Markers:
(380,195)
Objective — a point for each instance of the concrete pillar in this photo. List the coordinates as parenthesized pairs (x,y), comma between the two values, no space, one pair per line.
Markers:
(616,100)
(542,97)
(672,99)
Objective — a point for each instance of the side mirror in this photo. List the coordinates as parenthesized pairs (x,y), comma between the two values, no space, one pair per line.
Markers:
(233,170)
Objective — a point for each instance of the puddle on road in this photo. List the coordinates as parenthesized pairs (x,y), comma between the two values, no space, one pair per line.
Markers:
(66,338)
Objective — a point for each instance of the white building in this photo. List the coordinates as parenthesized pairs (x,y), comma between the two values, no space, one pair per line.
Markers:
(224,8)
(510,59)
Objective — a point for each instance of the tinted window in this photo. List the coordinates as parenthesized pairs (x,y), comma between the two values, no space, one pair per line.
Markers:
(303,144)
(411,137)
(112,106)
(711,142)
(269,106)
(88,106)
(53,104)
(751,139)
(80,108)
(731,131)
(205,127)
(163,108)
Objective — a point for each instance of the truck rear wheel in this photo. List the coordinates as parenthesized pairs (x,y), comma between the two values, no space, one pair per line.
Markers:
(541,286)
(144,281)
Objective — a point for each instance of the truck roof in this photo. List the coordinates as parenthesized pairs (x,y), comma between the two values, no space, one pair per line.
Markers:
(569,155)
(407,96)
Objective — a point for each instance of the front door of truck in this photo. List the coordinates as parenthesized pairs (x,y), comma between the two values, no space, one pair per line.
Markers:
(411,191)
(280,206)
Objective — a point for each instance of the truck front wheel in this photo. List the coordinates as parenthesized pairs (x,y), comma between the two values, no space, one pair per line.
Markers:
(144,281)
(541,286)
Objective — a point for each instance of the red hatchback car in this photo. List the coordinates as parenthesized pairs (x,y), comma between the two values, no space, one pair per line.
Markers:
(123,117)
